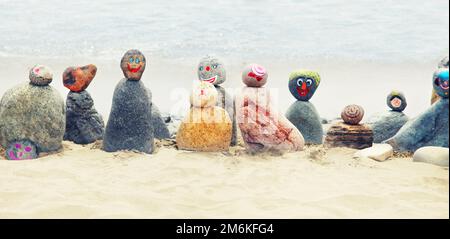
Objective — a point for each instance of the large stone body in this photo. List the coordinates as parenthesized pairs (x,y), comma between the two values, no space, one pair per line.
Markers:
(305,117)
(261,126)
(205,129)
(386,125)
(84,125)
(34,113)
(159,127)
(350,136)
(129,125)
(226,101)
(431,128)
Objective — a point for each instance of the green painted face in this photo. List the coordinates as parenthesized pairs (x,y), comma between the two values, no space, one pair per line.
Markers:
(303,84)
(211,70)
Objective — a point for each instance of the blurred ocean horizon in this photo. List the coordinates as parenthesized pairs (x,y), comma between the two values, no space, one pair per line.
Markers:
(363,49)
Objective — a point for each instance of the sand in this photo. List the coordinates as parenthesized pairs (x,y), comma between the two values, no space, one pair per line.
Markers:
(85,182)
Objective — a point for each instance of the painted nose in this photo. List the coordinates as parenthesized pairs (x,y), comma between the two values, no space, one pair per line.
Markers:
(208,68)
(304,86)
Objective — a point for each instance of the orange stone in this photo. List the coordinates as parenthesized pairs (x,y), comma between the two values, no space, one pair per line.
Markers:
(78,79)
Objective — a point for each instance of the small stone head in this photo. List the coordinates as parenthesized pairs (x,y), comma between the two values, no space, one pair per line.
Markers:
(211,70)
(396,101)
(40,75)
(254,76)
(204,95)
(133,64)
(78,79)
(303,84)
(440,82)
(352,114)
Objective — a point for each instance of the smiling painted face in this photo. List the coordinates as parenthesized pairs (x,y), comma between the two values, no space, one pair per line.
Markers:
(40,75)
(440,83)
(396,101)
(211,70)
(133,64)
(303,84)
(254,75)
(203,95)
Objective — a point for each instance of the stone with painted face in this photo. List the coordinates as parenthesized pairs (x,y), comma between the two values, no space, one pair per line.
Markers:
(303,84)
(211,70)
(203,95)
(40,75)
(396,101)
(21,150)
(440,83)
(77,79)
(133,64)
(254,76)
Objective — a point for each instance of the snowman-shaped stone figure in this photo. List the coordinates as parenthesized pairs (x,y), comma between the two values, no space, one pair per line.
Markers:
(302,113)
(387,124)
(84,125)
(32,117)
(129,125)
(207,127)
(431,127)
(212,70)
(262,127)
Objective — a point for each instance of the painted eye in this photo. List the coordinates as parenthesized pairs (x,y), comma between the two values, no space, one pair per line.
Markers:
(308,82)
(215,66)
(131,60)
(200,68)
(300,82)
(137,61)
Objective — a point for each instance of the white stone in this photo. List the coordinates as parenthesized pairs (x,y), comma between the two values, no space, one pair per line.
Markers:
(378,152)
(432,155)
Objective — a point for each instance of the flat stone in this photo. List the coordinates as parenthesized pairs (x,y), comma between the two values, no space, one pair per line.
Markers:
(432,155)
(351,136)
(378,152)
(21,150)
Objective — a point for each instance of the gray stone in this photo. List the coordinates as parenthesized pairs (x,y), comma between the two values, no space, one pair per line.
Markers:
(306,119)
(386,125)
(160,128)
(129,125)
(226,101)
(432,155)
(21,150)
(34,113)
(84,125)
(431,128)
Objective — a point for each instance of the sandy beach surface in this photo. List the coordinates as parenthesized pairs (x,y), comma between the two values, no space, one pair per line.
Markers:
(85,182)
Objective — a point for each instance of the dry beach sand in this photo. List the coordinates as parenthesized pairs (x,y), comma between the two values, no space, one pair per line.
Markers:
(85,182)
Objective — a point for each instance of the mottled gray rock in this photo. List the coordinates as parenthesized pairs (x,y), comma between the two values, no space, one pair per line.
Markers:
(129,125)
(385,125)
(432,155)
(160,128)
(84,125)
(226,101)
(34,113)
(429,129)
(305,117)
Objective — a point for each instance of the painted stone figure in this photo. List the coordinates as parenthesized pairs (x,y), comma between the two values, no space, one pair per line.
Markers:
(212,70)
(130,125)
(262,127)
(207,127)
(443,64)
(431,127)
(387,124)
(84,125)
(350,133)
(302,113)
(32,117)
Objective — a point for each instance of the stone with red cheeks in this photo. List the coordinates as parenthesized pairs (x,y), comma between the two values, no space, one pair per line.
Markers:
(211,70)
(40,75)
(133,64)
(254,76)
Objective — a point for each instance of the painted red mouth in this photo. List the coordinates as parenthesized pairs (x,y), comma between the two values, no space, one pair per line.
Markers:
(253,75)
(211,80)
(134,70)
(302,92)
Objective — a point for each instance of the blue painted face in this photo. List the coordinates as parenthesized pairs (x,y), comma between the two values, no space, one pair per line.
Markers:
(440,83)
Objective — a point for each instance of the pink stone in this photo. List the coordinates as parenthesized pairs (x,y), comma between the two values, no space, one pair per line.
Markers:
(261,126)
